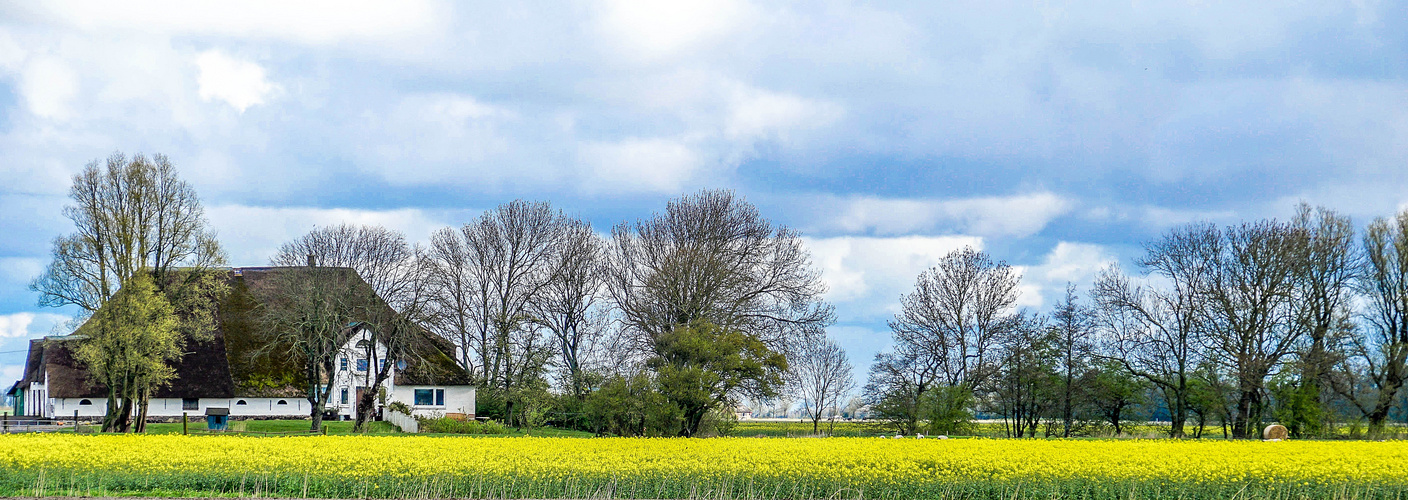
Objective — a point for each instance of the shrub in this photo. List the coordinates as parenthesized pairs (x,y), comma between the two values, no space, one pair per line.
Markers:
(399,406)
(444,425)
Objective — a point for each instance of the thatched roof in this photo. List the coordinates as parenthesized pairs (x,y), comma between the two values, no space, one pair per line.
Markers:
(238,359)
(434,365)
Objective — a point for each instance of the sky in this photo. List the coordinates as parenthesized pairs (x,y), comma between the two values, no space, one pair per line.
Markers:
(1056,136)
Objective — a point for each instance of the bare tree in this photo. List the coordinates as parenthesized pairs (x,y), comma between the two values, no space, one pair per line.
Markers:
(394,325)
(957,313)
(135,216)
(457,296)
(491,284)
(392,308)
(1323,293)
(711,256)
(1383,353)
(1249,320)
(1152,331)
(571,304)
(821,377)
(711,265)
(1073,344)
(306,312)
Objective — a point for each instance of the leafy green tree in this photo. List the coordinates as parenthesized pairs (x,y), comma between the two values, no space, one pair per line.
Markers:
(129,344)
(946,408)
(630,405)
(701,367)
(134,216)
(1114,392)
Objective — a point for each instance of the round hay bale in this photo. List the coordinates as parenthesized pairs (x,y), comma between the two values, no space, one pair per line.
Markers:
(1275,432)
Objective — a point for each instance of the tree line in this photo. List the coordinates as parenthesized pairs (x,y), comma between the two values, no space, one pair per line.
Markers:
(665,324)
(658,328)
(1302,322)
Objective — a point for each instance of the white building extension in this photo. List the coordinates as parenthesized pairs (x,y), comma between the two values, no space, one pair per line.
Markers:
(357,367)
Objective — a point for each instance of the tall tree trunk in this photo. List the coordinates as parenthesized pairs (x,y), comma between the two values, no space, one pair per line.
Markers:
(366,407)
(143,402)
(113,410)
(1178,413)
(1242,425)
(1393,382)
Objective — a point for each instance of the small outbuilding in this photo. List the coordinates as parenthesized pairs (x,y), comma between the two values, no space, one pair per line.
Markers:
(217,419)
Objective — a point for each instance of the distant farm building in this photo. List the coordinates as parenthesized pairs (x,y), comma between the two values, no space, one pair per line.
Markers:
(241,371)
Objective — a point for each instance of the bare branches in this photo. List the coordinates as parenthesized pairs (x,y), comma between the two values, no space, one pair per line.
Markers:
(821,374)
(379,255)
(136,224)
(957,313)
(129,216)
(1384,284)
(711,256)
(1153,330)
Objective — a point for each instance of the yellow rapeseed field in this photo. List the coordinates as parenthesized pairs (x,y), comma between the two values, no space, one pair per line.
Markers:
(874,464)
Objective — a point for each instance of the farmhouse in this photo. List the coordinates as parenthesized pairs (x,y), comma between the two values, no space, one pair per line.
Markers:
(245,370)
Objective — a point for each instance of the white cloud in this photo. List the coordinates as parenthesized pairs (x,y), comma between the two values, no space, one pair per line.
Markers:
(651,29)
(49,86)
(760,114)
(26,324)
(1068,262)
(1021,215)
(10,373)
(240,84)
(311,21)
(642,165)
(449,138)
(252,234)
(866,276)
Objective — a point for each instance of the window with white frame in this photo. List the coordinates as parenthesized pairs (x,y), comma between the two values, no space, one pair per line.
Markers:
(430,397)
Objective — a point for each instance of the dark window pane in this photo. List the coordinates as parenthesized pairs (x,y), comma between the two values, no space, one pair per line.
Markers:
(190,404)
(362,365)
(424,397)
(440,397)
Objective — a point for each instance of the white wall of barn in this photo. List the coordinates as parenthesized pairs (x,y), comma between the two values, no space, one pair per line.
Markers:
(354,367)
(175,407)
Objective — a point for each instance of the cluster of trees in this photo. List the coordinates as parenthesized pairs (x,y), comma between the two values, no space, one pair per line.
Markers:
(1304,322)
(143,268)
(660,327)
(665,324)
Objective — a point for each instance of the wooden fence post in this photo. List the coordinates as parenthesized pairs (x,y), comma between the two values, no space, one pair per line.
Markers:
(183,423)
(75,421)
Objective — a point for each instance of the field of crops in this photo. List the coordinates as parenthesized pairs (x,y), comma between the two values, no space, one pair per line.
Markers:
(796,428)
(416,467)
